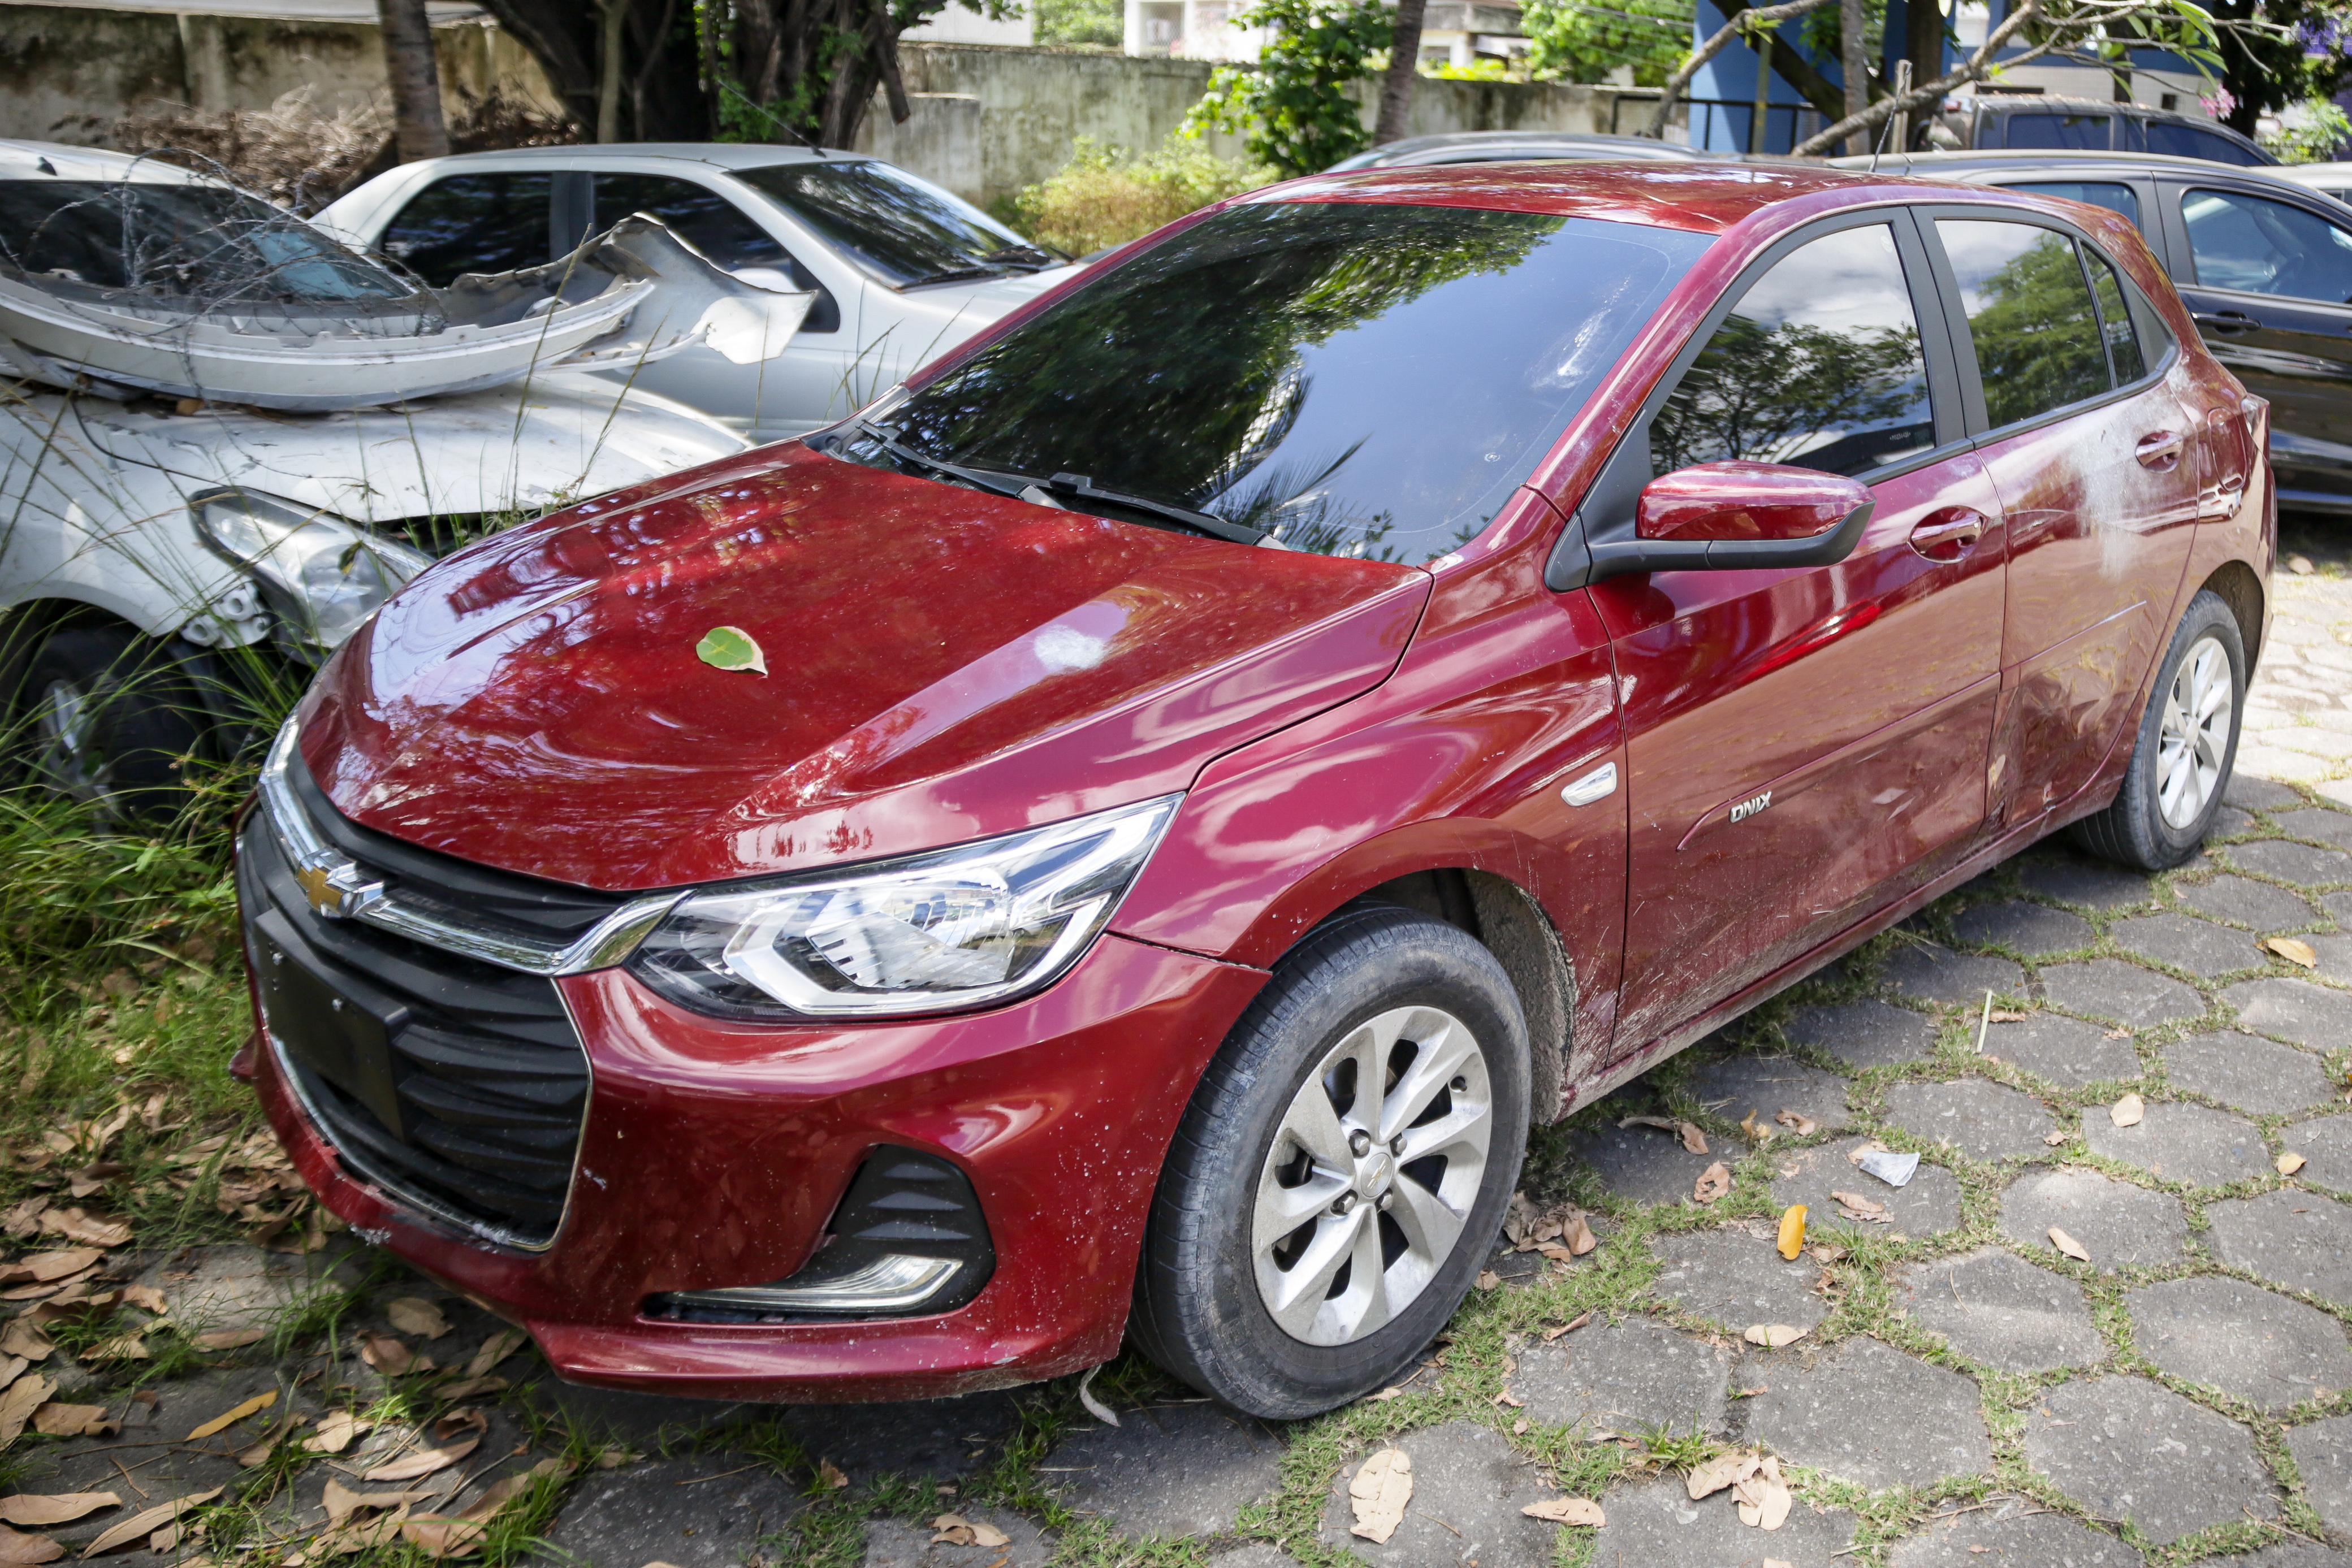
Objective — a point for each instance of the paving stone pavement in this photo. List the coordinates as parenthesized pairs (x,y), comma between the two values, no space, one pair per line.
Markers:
(2191,1385)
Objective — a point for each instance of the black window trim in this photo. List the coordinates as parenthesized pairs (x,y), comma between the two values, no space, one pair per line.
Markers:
(1606,507)
(2178,189)
(2145,320)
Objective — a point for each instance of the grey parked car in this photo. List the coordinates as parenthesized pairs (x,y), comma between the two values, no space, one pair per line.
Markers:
(2022,123)
(2263,264)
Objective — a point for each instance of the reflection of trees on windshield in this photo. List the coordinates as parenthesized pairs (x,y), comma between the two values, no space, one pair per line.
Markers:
(2030,312)
(1837,400)
(1350,377)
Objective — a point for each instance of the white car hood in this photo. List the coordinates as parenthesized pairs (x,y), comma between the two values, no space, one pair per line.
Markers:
(572,437)
(968,307)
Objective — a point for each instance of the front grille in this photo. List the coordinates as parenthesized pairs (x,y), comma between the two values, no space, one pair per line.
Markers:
(475,1112)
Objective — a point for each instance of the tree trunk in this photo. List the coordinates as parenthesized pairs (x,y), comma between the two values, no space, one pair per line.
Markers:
(608,63)
(415,76)
(1925,48)
(1403,72)
(1855,61)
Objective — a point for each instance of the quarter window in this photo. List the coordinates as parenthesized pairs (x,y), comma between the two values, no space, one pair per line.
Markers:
(2255,245)
(2125,355)
(2030,313)
(472,223)
(1818,365)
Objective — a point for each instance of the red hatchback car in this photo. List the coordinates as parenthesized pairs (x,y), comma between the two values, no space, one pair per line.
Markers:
(1374,665)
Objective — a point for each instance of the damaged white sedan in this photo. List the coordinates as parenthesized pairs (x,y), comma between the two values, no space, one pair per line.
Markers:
(228,431)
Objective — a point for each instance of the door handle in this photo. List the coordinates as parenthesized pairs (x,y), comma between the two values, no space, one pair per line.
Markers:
(2160,450)
(1947,535)
(2228,323)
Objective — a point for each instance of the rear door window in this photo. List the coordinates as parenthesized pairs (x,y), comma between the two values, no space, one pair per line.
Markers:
(1819,365)
(2054,129)
(2256,245)
(2117,198)
(472,223)
(2036,331)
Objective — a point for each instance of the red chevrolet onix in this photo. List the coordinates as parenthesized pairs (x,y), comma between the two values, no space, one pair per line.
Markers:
(1373,665)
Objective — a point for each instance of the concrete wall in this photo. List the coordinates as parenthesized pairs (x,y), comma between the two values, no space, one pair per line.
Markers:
(68,72)
(1026,108)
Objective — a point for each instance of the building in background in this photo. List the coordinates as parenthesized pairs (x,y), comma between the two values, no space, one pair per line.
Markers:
(966,24)
(1453,32)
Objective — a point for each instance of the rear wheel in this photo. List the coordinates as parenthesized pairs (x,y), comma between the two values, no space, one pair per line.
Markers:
(106,716)
(2187,743)
(1342,1169)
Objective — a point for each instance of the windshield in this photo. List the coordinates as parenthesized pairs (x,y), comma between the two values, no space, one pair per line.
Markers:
(1365,380)
(179,241)
(903,231)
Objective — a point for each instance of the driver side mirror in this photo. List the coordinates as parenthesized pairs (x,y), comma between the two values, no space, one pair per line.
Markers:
(1738,516)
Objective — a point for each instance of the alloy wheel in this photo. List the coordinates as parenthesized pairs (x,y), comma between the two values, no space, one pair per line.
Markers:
(1371,1175)
(66,754)
(2194,736)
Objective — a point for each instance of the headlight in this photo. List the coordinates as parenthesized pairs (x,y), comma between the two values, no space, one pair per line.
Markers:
(959,928)
(322,575)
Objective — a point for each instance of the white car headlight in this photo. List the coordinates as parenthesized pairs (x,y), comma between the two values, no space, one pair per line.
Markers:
(321,574)
(956,929)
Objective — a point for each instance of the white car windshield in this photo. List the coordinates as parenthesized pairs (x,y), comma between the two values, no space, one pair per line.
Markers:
(180,242)
(904,231)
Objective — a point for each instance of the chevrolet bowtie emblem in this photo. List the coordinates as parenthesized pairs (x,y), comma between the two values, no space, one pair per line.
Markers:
(336,889)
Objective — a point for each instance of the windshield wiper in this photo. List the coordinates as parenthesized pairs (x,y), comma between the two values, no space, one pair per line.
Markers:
(1085,489)
(998,485)
(960,273)
(1037,257)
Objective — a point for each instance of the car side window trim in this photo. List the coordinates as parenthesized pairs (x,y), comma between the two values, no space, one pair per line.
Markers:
(1609,501)
(1982,431)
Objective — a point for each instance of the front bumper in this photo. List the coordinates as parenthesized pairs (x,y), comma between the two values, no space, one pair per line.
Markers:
(714,1152)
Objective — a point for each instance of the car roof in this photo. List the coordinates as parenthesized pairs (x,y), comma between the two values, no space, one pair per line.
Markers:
(1960,165)
(711,154)
(2315,174)
(1704,197)
(1636,145)
(24,160)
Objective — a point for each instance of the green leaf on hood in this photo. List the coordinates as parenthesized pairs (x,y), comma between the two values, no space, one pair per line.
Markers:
(731,648)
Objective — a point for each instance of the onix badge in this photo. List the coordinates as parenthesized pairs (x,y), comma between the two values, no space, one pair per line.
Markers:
(1747,808)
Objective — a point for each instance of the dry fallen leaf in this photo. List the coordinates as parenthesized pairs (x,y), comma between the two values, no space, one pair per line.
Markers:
(1773,1336)
(955,1529)
(146,1523)
(1579,1236)
(2127,1111)
(1567,1328)
(47,1268)
(54,1508)
(424,1462)
(2292,949)
(25,1551)
(1581,1510)
(1764,1503)
(1379,1494)
(23,1397)
(1692,1139)
(336,1430)
(1723,1470)
(495,1349)
(2289,1163)
(229,1339)
(1792,1230)
(386,1354)
(831,1475)
(2055,1138)
(1714,1184)
(340,1501)
(146,1298)
(1802,1126)
(2006,1015)
(1756,1133)
(438,1536)
(24,1337)
(1489,1281)
(2068,1245)
(75,1225)
(227,1419)
(1861,1207)
(415,1314)
(54,1420)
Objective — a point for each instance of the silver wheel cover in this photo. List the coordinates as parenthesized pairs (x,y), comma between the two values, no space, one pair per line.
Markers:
(2193,736)
(1371,1175)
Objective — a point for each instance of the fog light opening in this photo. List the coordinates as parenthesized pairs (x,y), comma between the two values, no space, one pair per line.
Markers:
(907,1239)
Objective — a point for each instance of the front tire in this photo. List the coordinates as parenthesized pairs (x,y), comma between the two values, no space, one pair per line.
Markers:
(108,717)
(2187,745)
(1311,1235)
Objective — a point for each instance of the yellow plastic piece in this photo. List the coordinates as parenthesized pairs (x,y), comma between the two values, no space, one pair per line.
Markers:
(1792,1231)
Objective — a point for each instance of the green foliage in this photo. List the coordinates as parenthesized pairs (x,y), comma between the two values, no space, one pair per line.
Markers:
(1295,108)
(2320,132)
(1106,195)
(1087,24)
(1577,42)
(1484,69)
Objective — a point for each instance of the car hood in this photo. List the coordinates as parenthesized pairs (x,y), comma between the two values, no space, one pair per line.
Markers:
(971,306)
(941,666)
(511,449)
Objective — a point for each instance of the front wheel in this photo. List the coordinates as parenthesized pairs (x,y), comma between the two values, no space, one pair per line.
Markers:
(108,717)
(2187,743)
(1342,1169)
